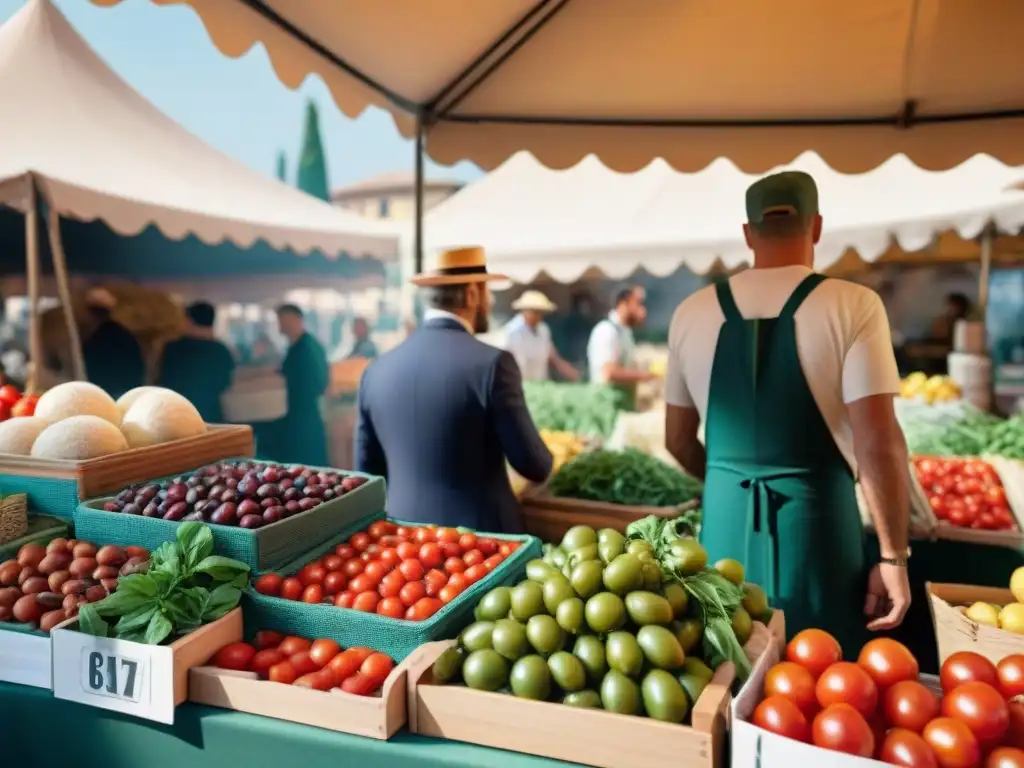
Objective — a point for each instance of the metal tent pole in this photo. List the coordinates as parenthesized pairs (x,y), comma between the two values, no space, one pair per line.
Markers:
(418,224)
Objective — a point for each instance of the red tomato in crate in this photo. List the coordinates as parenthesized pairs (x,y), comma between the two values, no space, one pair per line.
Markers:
(448,593)
(303,663)
(266,638)
(353,568)
(467,542)
(1010,672)
(264,660)
(377,665)
(323,650)
(423,609)
(292,645)
(423,535)
(907,749)
(781,716)
(964,667)
(381,528)
(334,583)
(269,584)
(26,406)
(314,593)
(412,569)
(9,395)
(846,683)
(793,682)
(361,685)
(392,607)
(333,563)
(360,541)
(910,705)
(366,602)
(376,570)
(980,707)
(888,662)
(344,599)
(283,672)
(454,565)
(487,546)
(314,573)
(1005,757)
(344,551)
(473,557)
(435,580)
(291,588)
(953,743)
(236,656)
(391,584)
(475,573)
(814,649)
(407,550)
(389,556)
(841,728)
(412,592)
(447,535)
(431,555)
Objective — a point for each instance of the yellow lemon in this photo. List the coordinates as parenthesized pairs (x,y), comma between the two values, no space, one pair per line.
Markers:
(983,613)
(1017,584)
(1011,618)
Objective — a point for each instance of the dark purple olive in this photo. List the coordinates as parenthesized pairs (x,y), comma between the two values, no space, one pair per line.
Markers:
(231,483)
(194,482)
(228,508)
(267,489)
(217,489)
(149,491)
(328,494)
(350,483)
(271,475)
(193,517)
(177,492)
(270,501)
(224,515)
(161,508)
(179,480)
(131,509)
(308,503)
(151,510)
(204,505)
(248,507)
(176,511)
(230,494)
(291,507)
(285,483)
(314,491)
(111,506)
(273,514)
(291,494)
(251,521)
(243,465)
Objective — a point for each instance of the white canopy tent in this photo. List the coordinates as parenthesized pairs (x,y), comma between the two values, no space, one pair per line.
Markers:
(99,150)
(534,220)
(81,139)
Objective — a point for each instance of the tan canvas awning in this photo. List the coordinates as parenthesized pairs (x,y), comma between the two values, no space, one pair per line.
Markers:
(758,82)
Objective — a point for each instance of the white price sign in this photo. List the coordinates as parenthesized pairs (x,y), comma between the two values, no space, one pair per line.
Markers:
(122,676)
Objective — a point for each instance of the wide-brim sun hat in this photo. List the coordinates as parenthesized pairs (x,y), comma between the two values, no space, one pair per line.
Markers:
(458,266)
(533,301)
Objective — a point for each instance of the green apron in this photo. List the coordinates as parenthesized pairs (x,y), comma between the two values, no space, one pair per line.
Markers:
(779,495)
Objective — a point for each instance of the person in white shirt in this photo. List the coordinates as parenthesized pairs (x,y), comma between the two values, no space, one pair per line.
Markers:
(794,377)
(528,338)
(611,348)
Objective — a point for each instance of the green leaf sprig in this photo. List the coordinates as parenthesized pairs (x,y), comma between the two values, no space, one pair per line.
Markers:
(185,587)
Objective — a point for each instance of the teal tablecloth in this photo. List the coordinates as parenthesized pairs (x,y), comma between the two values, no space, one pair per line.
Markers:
(42,732)
(945,562)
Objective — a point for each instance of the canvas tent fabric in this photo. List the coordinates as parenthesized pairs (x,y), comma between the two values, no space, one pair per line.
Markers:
(563,223)
(99,151)
(754,81)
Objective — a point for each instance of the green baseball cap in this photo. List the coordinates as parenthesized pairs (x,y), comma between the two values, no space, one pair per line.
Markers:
(788,192)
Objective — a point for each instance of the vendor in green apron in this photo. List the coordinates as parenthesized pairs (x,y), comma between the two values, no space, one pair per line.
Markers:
(794,377)
(611,348)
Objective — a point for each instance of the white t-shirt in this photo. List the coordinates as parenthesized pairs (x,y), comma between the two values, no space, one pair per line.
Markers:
(842,337)
(531,347)
(609,342)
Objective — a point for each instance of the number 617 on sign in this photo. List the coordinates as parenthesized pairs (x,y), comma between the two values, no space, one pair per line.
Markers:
(108,674)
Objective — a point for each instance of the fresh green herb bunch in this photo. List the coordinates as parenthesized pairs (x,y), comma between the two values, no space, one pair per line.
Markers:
(185,587)
(589,410)
(629,477)
(1007,438)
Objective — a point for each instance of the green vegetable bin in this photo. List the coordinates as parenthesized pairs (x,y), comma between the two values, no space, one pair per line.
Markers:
(395,637)
(262,549)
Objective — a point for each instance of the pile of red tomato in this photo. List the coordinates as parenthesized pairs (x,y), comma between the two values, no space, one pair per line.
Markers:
(318,664)
(399,571)
(877,708)
(13,403)
(965,492)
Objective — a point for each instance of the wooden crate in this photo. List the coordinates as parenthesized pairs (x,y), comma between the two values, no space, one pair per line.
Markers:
(955,632)
(589,736)
(548,517)
(375,717)
(57,487)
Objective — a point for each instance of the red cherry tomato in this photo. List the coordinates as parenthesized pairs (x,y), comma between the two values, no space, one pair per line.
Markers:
(333,563)
(814,649)
(407,550)
(361,685)
(435,580)
(266,638)
(953,743)
(264,660)
(454,565)
(793,682)
(269,584)
(447,535)
(376,570)
(906,748)
(467,541)
(389,556)
(303,663)
(1005,757)
(353,568)
(344,599)
(392,584)
(335,583)
(360,541)
(910,706)
(412,592)
(380,528)
(1015,733)
(487,546)
(366,602)
(473,557)
(474,573)
(377,665)
(781,716)
(292,645)
(237,656)
(282,672)
(431,555)
(422,535)
(980,707)
(323,651)
(888,662)
(1010,672)
(344,551)
(291,588)
(314,573)
(392,607)
(412,569)
(362,583)
(448,593)
(964,667)
(841,728)
(347,663)
(493,562)
(423,609)
(314,593)
(846,683)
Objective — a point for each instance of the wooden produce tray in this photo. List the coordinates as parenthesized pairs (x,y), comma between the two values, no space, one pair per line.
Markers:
(57,487)
(548,517)
(375,717)
(955,632)
(588,736)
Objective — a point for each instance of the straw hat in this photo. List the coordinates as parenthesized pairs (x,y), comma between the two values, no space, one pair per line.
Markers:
(533,300)
(458,266)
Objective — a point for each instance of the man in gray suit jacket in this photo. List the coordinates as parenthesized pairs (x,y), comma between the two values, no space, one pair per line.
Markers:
(441,414)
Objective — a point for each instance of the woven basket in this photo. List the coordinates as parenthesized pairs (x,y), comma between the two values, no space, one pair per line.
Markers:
(262,549)
(395,637)
(13,517)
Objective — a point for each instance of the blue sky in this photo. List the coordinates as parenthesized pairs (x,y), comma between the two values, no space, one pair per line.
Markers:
(237,105)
